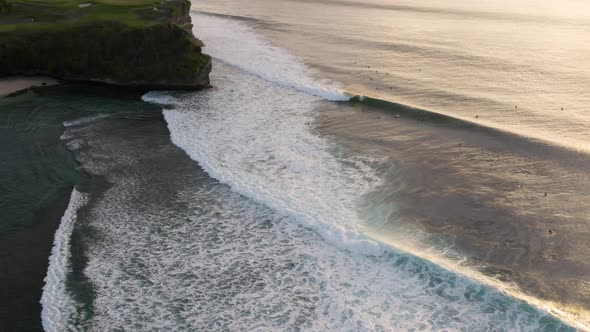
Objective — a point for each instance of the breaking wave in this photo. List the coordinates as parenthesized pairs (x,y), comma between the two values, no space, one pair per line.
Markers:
(258,57)
(58,306)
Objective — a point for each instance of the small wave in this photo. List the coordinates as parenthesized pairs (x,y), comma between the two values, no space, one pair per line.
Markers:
(162,98)
(58,306)
(233,17)
(84,120)
(258,57)
(561,153)
(458,13)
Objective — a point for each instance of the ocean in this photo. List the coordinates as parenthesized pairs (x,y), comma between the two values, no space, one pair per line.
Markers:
(357,166)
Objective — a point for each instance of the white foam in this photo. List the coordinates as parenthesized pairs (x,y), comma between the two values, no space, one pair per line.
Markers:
(256,137)
(84,120)
(58,306)
(235,43)
(159,97)
(178,251)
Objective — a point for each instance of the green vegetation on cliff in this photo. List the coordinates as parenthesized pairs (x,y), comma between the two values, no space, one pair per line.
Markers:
(4,6)
(127,42)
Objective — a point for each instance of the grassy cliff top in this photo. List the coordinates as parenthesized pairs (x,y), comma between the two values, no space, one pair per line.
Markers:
(121,42)
(27,15)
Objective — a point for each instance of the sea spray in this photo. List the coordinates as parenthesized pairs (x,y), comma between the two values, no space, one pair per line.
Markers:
(85,120)
(257,137)
(263,148)
(258,57)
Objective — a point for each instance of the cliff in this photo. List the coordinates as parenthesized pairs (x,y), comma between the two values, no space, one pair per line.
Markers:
(136,43)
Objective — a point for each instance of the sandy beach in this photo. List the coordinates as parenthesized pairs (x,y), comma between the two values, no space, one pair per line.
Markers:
(13,84)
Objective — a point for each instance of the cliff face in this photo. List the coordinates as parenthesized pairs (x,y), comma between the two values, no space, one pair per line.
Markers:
(154,50)
(4,6)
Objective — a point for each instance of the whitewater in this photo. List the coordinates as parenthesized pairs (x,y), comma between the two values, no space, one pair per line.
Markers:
(59,308)
(268,234)
(273,156)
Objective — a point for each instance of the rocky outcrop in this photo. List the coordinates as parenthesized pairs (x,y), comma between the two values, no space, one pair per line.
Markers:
(163,54)
(4,6)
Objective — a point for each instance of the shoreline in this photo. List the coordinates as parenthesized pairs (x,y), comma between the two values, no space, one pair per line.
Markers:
(14,84)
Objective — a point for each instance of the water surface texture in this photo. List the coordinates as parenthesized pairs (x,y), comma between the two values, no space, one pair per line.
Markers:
(357,166)
(37,174)
(521,66)
(194,220)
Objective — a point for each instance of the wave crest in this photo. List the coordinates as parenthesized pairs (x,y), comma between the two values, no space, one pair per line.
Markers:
(258,57)
(58,306)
